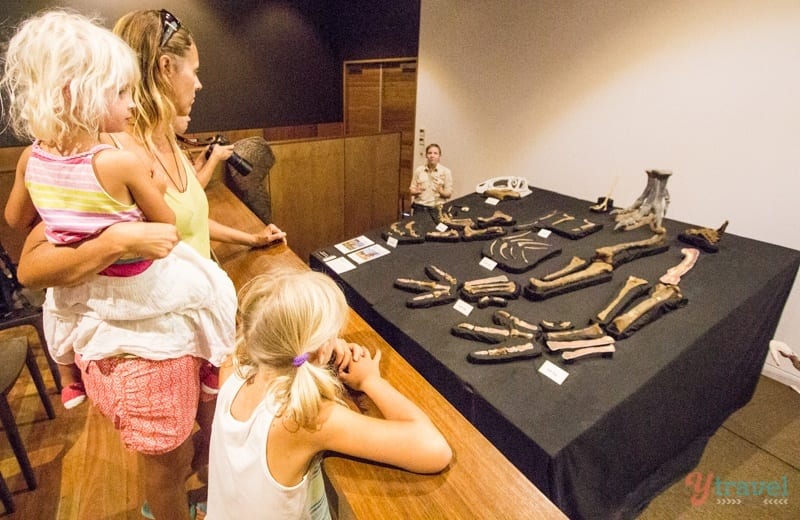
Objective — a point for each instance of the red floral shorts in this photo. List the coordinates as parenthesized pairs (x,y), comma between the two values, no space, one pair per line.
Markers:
(153,404)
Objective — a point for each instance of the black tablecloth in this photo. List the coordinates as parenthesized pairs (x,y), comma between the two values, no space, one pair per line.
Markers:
(617,431)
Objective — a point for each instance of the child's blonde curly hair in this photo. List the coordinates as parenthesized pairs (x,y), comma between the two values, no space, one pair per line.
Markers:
(61,71)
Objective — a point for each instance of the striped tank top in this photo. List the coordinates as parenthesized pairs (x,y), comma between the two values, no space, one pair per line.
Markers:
(70,199)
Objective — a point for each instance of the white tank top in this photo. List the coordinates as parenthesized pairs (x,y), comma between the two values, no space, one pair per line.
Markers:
(240,485)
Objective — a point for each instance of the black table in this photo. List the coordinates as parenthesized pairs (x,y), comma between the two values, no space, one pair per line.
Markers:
(617,431)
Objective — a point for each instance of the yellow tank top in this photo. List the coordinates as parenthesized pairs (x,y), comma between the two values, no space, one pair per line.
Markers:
(190,207)
(191,212)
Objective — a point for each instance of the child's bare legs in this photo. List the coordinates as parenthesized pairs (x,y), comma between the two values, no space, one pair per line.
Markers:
(209,387)
(72,392)
(202,438)
(165,481)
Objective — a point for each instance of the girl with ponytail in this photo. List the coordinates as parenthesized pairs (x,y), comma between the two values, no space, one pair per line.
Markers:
(280,406)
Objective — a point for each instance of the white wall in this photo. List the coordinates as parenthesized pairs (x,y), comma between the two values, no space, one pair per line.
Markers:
(573,94)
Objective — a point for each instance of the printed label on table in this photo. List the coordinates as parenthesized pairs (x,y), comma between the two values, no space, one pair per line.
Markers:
(487,263)
(463,307)
(554,372)
(391,241)
(544,233)
(441,227)
(492,201)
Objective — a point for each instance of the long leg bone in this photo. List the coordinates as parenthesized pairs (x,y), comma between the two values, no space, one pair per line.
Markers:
(631,289)
(574,264)
(594,269)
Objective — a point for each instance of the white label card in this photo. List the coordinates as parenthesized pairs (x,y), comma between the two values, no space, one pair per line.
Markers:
(492,201)
(391,241)
(341,265)
(487,263)
(554,372)
(544,233)
(463,307)
(441,227)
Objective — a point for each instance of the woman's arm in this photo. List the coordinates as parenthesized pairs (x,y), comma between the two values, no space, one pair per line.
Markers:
(20,213)
(228,235)
(204,168)
(43,264)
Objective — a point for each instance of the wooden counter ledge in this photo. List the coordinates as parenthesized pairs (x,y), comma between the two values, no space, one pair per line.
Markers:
(479,483)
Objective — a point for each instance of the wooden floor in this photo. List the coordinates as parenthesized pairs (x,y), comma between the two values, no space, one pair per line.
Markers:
(85,473)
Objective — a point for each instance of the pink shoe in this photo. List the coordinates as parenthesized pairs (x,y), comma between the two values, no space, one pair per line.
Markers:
(73,395)
(209,380)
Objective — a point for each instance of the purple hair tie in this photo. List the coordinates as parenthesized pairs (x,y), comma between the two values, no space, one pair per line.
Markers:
(299,360)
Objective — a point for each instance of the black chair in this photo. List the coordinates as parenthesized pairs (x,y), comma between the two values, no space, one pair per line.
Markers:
(5,496)
(15,353)
(18,311)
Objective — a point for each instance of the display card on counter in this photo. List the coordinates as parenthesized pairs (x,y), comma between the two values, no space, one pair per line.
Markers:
(341,265)
(370,253)
(354,244)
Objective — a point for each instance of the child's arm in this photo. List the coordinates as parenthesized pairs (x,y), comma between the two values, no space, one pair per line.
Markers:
(405,438)
(20,212)
(121,170)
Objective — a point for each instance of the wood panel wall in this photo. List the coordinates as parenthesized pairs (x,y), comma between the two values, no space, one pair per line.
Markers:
(371,182)
(307,187)
(323,190)
(381,96)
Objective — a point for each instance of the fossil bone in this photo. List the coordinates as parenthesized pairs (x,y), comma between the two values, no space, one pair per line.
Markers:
(592,331)
(566,217)
(592,270)
(502,194)
(674,274)
(574,264)
(579,343)
(498,218)
(491,231)
(632,288)
(446,218)
(607,253)
(650,207)
(661,293)
(508,319)
(439,274)
(603,351)
(410,228)
(484,281)
(418,285)
(603,206)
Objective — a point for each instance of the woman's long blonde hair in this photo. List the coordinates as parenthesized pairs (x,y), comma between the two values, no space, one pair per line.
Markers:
(142,30)
(282,317)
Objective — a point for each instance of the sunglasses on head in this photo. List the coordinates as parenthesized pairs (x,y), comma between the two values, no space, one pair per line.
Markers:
(169,26)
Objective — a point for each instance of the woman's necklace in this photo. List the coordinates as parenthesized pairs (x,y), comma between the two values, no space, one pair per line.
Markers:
(182,178)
